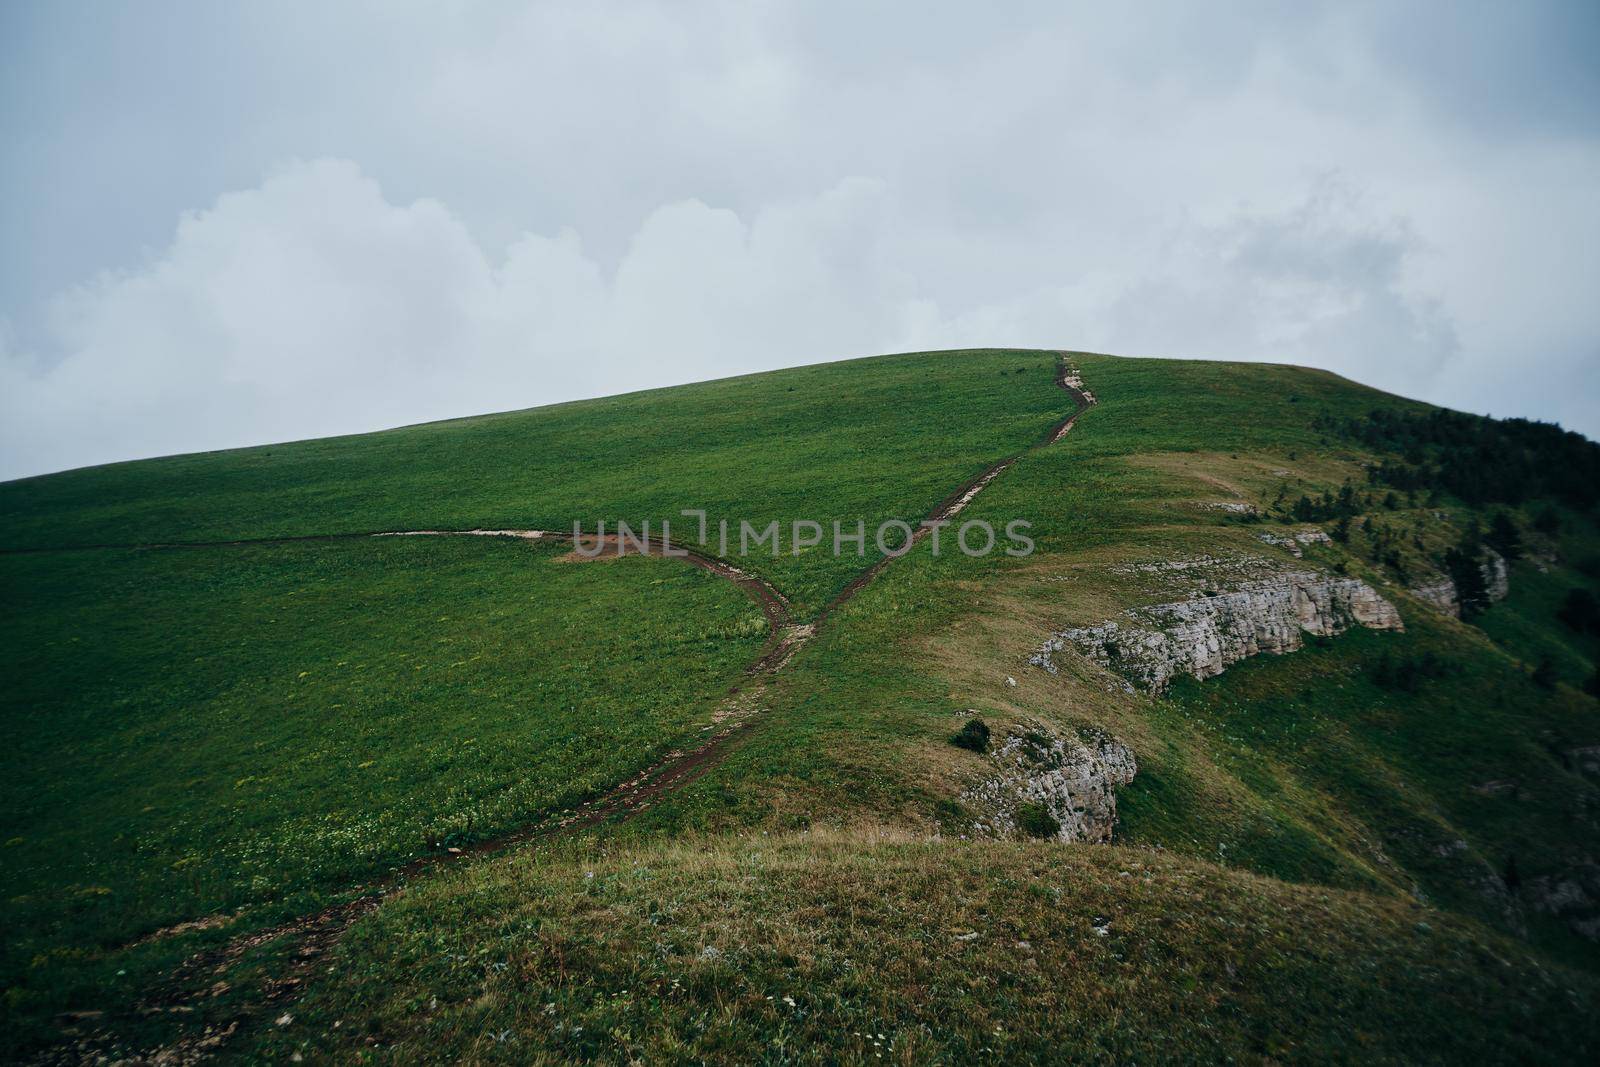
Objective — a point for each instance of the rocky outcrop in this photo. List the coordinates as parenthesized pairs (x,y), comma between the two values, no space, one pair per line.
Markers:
(1456,862)
(1072,379)
(1216,567)
(1440,594)
(1202,636)
(1572,896)
(1073,778)
(1585,759)
(1496,575)
(1294,541)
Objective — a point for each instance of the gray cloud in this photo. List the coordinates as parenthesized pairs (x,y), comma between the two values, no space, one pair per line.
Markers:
(386,214)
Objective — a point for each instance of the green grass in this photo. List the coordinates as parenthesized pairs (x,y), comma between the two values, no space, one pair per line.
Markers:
(826,948)
(1296,767)
(1383,780)
(1521,622)
(869,439)
(198,730)
(201,730)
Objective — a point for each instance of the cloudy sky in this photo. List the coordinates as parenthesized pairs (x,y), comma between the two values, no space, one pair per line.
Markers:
(225,224)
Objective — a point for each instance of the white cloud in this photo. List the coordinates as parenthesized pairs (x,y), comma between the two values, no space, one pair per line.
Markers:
(1320,283)
(578,199)
(312,306)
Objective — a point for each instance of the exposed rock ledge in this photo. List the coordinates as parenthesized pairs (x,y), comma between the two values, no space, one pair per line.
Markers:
(1074,778)
(1202,636)
(1573,896)
(1441,595)
(1294,541)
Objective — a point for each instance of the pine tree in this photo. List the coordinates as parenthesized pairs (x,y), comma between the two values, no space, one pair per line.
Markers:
(1464,563)
(1504,537)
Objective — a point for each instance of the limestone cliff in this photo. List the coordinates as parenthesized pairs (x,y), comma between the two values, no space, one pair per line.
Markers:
(1201,636)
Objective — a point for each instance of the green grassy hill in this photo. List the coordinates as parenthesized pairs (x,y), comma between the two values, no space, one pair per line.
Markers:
(1369,836)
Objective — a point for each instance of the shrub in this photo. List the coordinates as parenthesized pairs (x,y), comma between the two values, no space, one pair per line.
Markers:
(1035,820)
(1406,673)
(974,735)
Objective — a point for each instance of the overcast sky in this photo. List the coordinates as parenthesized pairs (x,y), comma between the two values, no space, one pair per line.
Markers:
(226,224)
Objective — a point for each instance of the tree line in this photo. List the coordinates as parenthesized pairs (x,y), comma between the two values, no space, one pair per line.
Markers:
(1478,459)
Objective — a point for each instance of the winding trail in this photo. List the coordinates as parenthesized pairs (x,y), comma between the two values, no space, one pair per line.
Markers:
(311,935)
(1066,378)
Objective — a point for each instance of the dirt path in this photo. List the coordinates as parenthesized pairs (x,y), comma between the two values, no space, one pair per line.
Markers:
(200,976)
(951,506)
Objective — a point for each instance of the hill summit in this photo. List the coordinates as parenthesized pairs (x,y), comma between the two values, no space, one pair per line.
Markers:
(1032,704)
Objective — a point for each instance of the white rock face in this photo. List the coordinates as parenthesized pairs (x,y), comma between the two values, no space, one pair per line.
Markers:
(1074,778)
(1293,541)
(1202,636)
(1496,575)
(1440,594)
(1217,567)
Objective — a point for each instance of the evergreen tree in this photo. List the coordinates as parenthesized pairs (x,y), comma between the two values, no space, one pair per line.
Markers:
(1504,537)
(1464,564)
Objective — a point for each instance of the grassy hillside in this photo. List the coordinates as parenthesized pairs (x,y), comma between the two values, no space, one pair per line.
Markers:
(869,439)
(1315,766)
(844,947)
(195,731)
(1328,801)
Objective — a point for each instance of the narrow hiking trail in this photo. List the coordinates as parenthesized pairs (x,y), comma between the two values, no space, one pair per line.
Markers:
(202,975)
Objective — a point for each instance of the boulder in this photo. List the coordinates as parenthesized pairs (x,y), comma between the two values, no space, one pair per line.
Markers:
(1073,777)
